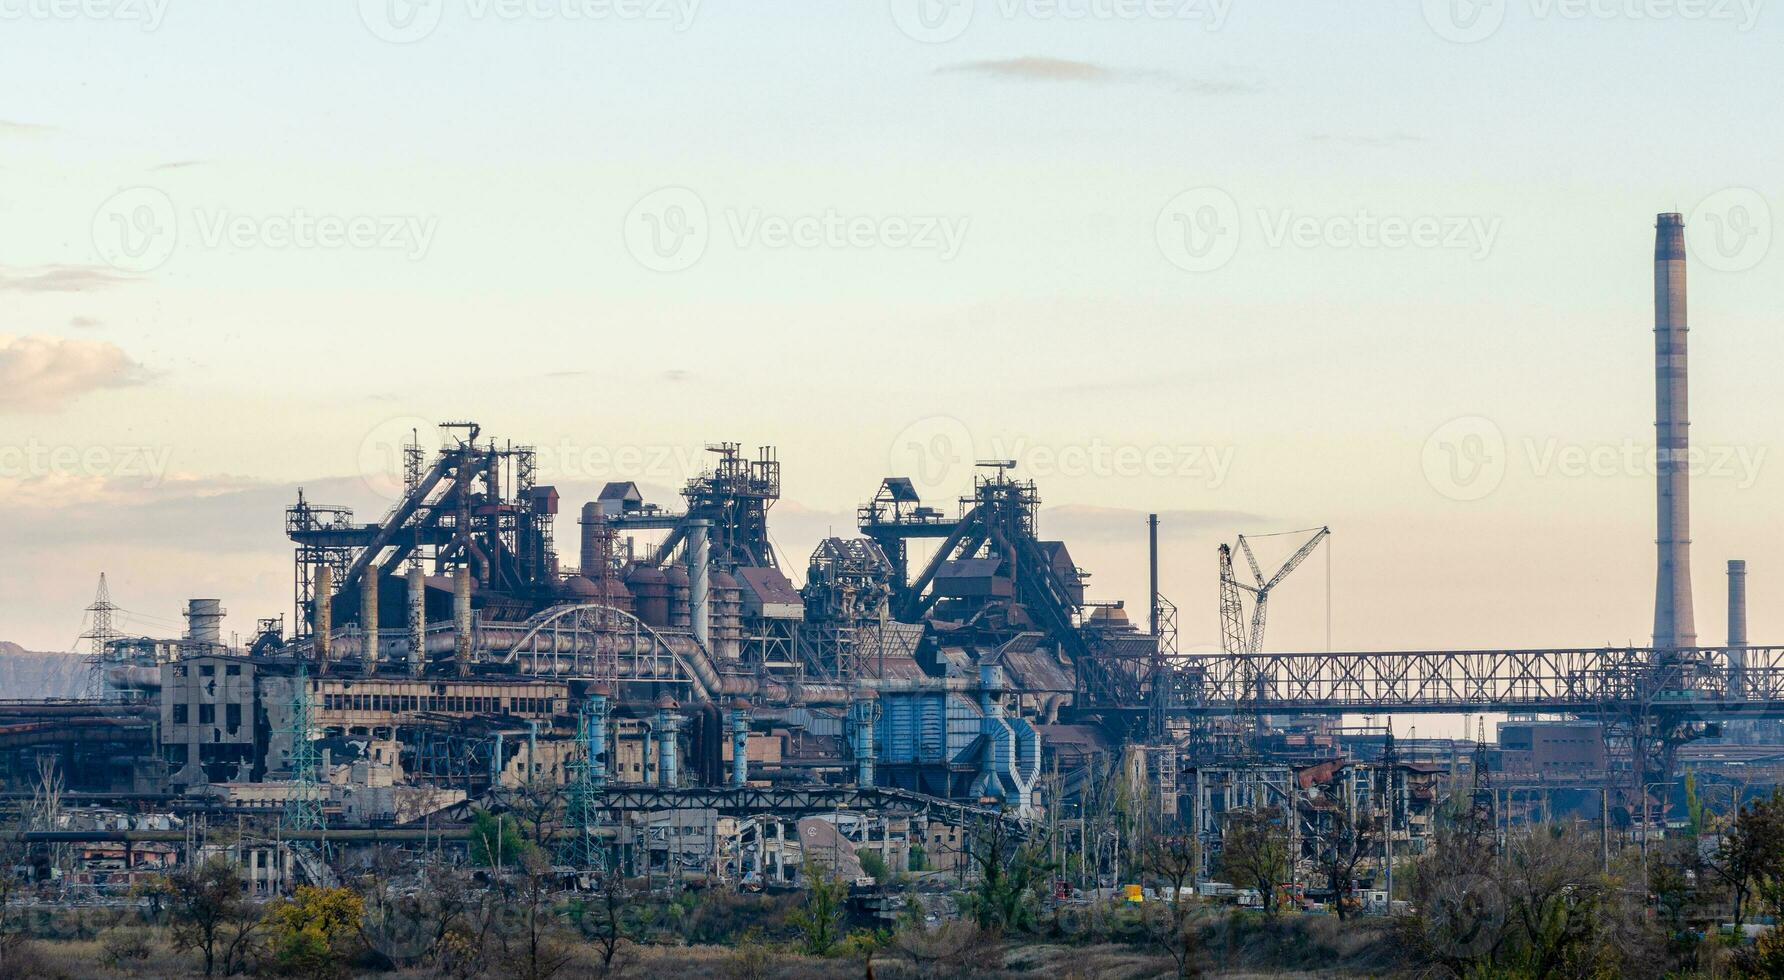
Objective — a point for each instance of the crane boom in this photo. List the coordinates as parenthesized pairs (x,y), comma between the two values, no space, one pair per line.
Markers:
(1235,637)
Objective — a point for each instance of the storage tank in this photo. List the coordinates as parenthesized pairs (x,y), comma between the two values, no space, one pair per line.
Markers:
(677,577)
(650,594)
(727,615)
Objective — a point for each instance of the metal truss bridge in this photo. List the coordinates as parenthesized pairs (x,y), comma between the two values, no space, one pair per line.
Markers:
(1700,682)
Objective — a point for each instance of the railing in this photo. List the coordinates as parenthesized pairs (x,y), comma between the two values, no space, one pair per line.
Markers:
(1699,678)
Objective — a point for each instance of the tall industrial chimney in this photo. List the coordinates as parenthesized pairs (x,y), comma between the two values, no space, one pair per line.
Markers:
(1737,626)
(1674,625)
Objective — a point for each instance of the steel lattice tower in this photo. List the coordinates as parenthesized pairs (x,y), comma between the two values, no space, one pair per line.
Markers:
(589,782)
(303,810)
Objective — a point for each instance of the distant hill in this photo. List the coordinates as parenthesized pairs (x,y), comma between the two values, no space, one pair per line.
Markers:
(34,674)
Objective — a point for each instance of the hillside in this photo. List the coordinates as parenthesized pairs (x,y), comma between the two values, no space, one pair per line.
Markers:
(35,674)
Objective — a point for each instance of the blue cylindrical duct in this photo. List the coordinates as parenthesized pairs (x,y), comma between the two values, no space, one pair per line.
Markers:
(594,736)
(740,746)
(861,719)
(666,755)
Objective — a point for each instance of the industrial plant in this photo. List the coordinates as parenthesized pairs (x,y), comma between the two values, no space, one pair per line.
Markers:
(653,665)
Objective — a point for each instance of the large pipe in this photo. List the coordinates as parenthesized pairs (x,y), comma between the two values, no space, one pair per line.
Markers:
(667,722)
(861,714)
(203,622)
(698,581)
(1737,626)
(592,560)
(740,746)
(595,732)
(322,613)
(417,621)
(1152,567)
(461,618)
(1674,624)
(368,615)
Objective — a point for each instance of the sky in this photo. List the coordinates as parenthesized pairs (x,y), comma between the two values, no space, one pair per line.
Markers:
(1256,267)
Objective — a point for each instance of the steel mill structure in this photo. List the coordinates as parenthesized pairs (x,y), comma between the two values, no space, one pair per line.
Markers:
(946,667)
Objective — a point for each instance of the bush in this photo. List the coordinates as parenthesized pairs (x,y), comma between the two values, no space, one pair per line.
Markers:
(124,947)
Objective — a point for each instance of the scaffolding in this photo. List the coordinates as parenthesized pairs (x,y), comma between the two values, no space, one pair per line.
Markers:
(303,808)
(583,848)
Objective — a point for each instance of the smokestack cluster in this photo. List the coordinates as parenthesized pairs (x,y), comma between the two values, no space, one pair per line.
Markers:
(1674,625)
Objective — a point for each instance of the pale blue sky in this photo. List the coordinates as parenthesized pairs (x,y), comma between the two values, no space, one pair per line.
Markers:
(1052,144)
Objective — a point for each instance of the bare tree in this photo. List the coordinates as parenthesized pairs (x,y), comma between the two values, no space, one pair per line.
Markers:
(212,914)
(1751,851)
(1339,847)
(12,888)
(1254,850)
(537,808)
(603,922)
(1172,861)
(530,944)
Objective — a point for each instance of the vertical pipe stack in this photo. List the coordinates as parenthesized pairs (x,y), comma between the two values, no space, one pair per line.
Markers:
(368,615)
(861,717)
(597,740)
(461,618)
(322,613)
(1737,627)
(1152,554)
(740,745)
(699,582)
(667,721)
(417,622)
(1674,624)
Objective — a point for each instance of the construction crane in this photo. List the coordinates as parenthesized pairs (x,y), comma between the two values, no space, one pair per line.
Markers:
(1235,635)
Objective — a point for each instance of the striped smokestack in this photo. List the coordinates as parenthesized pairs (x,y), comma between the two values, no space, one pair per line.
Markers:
(1674,625)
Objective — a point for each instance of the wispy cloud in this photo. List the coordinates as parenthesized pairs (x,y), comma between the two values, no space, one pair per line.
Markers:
(178,165)
(1065,70)
(83,322)
(1036,69)
(60,279)
(1366,139)
(41,374)
(24,128)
